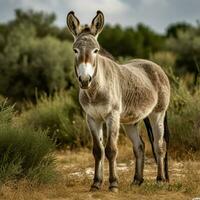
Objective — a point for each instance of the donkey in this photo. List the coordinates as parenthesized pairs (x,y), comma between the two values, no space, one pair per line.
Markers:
(111,93)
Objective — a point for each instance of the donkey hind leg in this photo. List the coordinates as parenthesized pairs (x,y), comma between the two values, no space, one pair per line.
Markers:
(111,150)
(166,136)
(98,151)
(160,145)
(138,149)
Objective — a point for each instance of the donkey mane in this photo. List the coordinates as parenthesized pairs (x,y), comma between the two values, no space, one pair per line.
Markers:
(106,54)
(85,29)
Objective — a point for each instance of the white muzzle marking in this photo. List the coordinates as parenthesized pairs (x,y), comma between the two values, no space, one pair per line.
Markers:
(85,69)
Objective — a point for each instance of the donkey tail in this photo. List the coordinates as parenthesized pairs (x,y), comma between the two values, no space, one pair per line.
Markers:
(166,137)
(150,135)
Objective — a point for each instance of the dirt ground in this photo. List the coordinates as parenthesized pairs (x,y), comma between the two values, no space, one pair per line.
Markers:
(76,173)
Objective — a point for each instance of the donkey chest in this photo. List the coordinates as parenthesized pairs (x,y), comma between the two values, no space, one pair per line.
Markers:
(98,111)
(98,107)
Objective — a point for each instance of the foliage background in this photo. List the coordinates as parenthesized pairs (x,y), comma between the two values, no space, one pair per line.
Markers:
(37,75)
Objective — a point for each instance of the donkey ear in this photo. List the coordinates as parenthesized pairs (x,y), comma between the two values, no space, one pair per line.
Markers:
(97,23)
(73,24)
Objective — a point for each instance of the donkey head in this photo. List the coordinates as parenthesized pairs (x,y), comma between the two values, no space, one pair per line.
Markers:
(85,46)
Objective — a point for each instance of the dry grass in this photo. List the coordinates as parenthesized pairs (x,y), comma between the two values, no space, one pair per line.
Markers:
(76,169)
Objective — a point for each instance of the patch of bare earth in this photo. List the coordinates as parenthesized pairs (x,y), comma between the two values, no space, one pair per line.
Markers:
(76,173)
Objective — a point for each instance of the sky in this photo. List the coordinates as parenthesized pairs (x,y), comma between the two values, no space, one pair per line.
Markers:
(157,14)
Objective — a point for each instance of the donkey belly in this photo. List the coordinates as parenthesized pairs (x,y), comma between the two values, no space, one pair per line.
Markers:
(134,116)
(138,106)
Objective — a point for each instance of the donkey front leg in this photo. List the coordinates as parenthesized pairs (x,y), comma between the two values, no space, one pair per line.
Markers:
(113,124)
(98,151)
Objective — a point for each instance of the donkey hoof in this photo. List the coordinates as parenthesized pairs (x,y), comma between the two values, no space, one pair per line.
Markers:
(95,187)
(160,179)
(113,189)
(167,180)
(137,182)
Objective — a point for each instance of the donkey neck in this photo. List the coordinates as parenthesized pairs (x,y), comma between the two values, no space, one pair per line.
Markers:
(103,77)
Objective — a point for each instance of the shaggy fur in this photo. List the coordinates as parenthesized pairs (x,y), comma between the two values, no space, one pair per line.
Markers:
(118,94)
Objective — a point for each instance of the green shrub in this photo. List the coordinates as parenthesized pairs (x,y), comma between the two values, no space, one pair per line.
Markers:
(184,120)
(186,45)
(42,64)
(165,59)
(25,153)
(61,117)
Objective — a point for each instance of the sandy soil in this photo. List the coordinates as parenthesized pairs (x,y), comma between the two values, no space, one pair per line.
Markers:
(76,173)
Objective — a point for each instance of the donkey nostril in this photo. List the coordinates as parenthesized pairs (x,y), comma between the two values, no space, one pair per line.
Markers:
(79,78)
(90,78)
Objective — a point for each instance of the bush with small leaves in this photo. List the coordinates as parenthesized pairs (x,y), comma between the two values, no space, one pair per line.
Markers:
(25,152)
(61,117)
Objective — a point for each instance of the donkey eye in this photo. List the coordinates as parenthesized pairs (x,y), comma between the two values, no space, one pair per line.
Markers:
(95,50)
(75,50)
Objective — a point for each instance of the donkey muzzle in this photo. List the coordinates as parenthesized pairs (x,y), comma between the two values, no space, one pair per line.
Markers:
(85,81)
